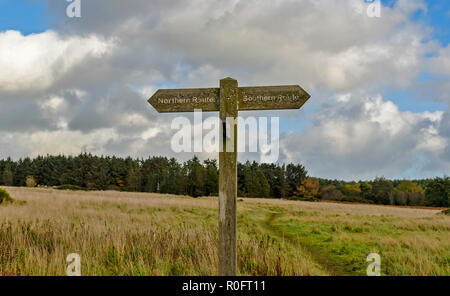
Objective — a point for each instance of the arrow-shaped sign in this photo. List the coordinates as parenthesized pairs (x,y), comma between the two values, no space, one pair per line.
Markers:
(186,100)
(272,97)
(250,98)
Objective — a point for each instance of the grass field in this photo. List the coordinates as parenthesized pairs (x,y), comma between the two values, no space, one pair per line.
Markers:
(151,234)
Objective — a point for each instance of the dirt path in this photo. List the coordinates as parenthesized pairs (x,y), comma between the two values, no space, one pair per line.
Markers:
(327,263)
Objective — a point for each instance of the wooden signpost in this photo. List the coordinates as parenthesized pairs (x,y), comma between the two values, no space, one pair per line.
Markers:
(228,100)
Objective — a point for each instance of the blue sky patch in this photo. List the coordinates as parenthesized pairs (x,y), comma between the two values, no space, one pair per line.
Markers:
(26,16)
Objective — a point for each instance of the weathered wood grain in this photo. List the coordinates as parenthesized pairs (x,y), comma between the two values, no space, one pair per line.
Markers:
(272,97)
(228,179)
(185,100)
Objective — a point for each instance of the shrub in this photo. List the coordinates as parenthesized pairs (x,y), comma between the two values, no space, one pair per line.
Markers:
(446,212)
(5,197)
(30,182)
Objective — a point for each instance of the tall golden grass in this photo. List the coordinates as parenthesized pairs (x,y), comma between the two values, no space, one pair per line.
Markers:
(128,234)
(150,234)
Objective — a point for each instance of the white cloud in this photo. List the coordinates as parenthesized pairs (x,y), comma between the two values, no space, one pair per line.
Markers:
(440,64)
(367,136)
(53,104)
(86,83)
(35,61)
(147,91)
(150,133)
(55,142)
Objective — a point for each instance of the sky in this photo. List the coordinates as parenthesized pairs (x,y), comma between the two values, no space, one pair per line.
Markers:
(379,85)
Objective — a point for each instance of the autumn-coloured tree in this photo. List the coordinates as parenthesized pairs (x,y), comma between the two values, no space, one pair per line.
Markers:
(409,186)
(30,181)
(350,190)
(308,190)
(409,193)
(355,187)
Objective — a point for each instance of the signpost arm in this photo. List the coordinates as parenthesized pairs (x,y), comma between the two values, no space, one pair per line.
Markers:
(228,100)
(228,178)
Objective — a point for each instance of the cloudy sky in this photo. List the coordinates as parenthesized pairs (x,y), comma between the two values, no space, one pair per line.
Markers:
(380,86)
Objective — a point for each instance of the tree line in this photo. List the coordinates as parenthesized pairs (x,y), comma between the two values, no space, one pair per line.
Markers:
(427,192)
(196,178)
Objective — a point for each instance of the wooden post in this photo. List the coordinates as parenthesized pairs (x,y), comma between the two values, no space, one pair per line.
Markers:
(228,99)
(228,178)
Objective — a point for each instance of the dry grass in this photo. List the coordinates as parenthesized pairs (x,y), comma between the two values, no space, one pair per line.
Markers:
(344,208)
(128,234)
(151,234)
